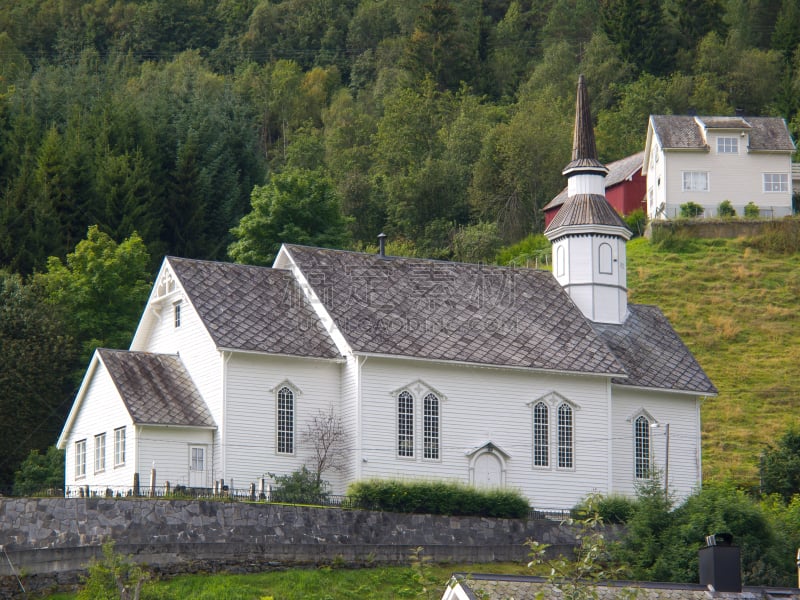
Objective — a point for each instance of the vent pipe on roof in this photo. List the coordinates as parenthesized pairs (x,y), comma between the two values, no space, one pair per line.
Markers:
(382,245)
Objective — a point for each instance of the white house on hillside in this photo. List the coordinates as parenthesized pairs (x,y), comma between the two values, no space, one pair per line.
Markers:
(486,375)
(707,160)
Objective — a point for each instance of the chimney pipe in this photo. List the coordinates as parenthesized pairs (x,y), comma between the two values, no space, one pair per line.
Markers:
(382,245)
(721,564)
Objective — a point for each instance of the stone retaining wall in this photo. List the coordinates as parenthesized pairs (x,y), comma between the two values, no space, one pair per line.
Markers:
(51,540)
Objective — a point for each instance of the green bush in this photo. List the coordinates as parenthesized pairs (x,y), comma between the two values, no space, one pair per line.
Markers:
(40,473)
(751,211)
(636,222)
(300,487)
(726,209)
(437,498)
(612,509)
(691,210)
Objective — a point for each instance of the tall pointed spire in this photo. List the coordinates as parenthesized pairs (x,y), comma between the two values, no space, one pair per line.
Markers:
(584,150)
(587,234)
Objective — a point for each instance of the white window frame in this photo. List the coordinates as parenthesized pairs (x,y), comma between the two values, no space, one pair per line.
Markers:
(692,181)
(176,315)
(119,447)
(100,452)
(541,435)
(80,459)
(197,458)
(642,449)
(405,424)
(431,427)
(565,442)
(727,145)
(285,420)
(775,183)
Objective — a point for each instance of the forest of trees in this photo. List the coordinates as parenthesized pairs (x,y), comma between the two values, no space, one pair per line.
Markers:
(218,129)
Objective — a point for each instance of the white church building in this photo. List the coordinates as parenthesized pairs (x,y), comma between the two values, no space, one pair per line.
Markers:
(551,383)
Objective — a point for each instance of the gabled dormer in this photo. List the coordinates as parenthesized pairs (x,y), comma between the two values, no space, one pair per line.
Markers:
(588,236)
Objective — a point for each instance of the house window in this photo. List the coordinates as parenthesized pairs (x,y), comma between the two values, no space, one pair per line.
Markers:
(285,421)
(405,424)
(641,434)
(119,447)
(100,453)
(80,458)
(776,182)
(565,437)
(430,427)
(176,309)
(198,459)
(695,181)
(727,145)
(541,435)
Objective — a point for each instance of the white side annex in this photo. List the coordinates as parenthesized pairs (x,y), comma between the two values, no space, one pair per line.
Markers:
(708,160)
(550,383)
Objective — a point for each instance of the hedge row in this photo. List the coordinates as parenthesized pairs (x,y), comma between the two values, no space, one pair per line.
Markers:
(437,498)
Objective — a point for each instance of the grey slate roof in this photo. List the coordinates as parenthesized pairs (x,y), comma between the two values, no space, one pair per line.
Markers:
(253,308)
(584,150)
(586,209)
(678,132)
(652,352)
(156,388)
(454,311)
(520,587)
(618,171)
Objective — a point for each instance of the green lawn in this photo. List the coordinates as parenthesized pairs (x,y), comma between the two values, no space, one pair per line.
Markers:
(381,583)
(737,310)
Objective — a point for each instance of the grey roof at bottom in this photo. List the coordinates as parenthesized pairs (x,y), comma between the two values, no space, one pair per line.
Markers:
(156,389)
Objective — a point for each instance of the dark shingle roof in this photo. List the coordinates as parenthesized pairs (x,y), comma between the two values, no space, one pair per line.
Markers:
(584,150)
(586,209)
(685,133)
(156,388)
(453,311)
(618,171)
(653,354)
(253,308)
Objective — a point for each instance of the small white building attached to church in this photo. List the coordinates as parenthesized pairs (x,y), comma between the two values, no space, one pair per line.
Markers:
(492,376)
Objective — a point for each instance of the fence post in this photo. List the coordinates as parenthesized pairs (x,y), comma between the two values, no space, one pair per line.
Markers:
(153,482)
(136,484)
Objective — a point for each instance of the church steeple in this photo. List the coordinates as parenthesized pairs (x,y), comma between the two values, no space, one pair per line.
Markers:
(587,234)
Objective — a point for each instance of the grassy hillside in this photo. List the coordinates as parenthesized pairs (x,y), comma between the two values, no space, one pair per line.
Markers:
(737,309)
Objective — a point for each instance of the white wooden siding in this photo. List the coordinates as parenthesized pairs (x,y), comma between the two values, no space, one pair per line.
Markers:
(734,177)
(167,450)
(102,411)
(681,412)
(482,405)
(250,449)
(350,420)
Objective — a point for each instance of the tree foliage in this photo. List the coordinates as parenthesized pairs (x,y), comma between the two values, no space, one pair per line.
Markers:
(40,473)
(780,466)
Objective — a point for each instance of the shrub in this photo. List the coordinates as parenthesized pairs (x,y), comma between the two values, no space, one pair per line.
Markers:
(40,472)
(636,222)
(437,498)
(691,210)
(612,509)
(726,209)
(751,211)
(300,487)
(114,577)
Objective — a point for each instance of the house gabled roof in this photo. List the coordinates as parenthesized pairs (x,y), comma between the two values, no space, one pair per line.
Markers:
(679,132)
(156,389)
(618,171)
(653,354)
(459,312)
(255,309)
